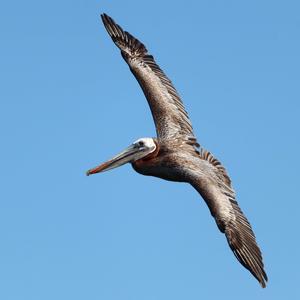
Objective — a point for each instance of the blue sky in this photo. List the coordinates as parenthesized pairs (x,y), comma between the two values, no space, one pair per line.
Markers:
(68,102)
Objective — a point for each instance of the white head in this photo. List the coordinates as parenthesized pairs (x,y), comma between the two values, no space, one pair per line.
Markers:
(139,149)
(145,145)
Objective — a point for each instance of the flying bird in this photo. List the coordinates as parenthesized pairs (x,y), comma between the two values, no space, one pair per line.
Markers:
(175,154)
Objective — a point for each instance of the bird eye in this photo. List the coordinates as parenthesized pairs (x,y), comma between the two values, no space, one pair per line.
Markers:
(141,143)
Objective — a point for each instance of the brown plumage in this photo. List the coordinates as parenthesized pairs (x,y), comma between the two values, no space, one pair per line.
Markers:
(170,118)
(175,155)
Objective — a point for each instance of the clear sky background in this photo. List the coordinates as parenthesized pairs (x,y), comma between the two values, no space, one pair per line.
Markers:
(69,102)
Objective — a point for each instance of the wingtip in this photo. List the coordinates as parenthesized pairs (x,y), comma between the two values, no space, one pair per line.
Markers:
(128,44)
(263,277)
(106,18)
(103,16)
(264,280)
(263,284)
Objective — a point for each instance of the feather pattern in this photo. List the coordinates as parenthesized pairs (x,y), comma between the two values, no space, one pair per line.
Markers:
(213,184)
(170,117)
(180,158)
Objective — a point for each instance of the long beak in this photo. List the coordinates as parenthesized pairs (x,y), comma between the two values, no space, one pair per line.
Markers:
(128,155)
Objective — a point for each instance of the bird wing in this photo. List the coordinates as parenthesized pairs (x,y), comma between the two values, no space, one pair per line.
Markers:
(212,182)
(170,118)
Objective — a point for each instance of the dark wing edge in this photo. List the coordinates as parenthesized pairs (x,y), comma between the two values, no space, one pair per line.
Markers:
(169,114)
(242,242)
(129,45)
(230,219)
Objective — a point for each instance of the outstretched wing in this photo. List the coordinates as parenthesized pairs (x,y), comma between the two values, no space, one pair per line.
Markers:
(170,118)
(213,183)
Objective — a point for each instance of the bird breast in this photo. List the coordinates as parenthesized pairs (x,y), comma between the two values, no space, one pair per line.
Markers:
(162,166)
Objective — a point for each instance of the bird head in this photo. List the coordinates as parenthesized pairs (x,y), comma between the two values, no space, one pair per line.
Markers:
(137,150)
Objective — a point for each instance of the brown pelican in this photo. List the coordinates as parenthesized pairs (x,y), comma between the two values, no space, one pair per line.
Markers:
(175,154)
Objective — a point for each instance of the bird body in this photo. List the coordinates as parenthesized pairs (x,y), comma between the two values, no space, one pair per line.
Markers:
(167,162)
(175,154)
